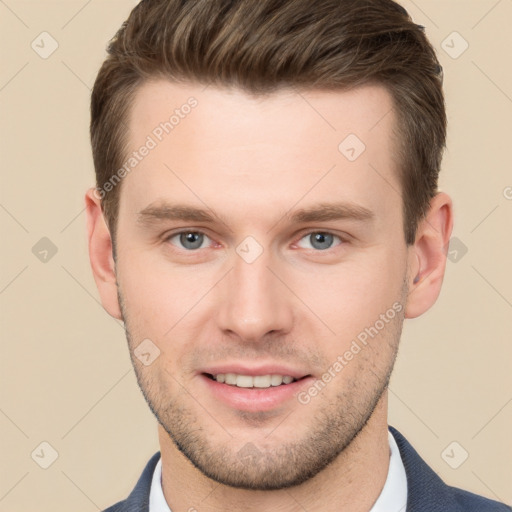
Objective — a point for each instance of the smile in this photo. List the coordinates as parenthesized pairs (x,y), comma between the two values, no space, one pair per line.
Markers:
(252,381)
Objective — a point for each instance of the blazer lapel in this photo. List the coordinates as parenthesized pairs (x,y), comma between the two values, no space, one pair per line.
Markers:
(426,491)
(138,501)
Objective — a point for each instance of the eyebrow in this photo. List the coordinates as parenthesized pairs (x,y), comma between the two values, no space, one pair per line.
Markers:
(151,214)
(333,211)
(319,213)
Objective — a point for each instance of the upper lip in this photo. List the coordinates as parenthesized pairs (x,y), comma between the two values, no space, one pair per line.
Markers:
(268,369)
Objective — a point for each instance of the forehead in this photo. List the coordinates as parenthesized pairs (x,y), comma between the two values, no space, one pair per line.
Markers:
(331,113)
(219,142)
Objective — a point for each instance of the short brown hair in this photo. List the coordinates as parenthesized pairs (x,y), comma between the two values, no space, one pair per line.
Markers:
(261,46)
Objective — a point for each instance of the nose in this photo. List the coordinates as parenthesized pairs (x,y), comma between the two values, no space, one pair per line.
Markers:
(253,302)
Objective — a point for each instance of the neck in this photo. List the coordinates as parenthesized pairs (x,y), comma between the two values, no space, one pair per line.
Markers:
(352,482)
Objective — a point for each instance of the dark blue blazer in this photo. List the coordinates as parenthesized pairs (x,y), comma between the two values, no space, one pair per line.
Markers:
(427,492)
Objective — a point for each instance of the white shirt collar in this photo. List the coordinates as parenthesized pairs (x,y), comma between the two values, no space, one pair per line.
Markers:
(393,497)
(157,501)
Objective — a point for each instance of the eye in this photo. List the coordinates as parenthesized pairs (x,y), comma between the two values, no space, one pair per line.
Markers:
(318,240)
(189,240)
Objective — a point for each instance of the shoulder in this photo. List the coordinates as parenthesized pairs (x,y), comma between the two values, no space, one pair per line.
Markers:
(138,500)
(118,507)
(473,503)
(427,492)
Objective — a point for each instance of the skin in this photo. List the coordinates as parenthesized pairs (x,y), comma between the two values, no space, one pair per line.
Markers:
(252,163)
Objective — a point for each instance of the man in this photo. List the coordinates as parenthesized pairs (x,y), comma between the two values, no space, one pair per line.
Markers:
(266,216)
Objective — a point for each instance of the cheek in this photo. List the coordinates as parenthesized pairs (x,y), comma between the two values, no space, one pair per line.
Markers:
(162,302)
(353,293)
(148,294)
(335,301)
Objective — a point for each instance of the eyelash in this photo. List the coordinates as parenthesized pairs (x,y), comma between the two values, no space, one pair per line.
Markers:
(342,240)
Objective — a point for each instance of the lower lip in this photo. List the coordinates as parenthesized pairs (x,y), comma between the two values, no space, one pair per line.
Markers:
(254,399)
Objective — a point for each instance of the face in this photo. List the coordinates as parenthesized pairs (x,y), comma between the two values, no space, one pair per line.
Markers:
(261,258)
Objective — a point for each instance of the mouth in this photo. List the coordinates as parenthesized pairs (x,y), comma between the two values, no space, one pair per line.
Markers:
(253,381)
(253,388)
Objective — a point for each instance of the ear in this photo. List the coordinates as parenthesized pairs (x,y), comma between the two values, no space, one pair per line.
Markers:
(427,257)
(100,254)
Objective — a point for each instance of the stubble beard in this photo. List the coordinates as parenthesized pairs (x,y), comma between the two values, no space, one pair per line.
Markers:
(264,465)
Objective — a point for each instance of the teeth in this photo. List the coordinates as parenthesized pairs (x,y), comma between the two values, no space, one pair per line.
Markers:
(244,381)
(230,379)
(248,381)
(262,381)
(276,380)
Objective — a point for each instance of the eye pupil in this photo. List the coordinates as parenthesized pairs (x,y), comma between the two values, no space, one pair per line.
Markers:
(321,241)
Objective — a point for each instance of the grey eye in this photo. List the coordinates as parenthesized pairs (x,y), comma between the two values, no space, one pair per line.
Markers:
(318,240)
(321,240)
(189,240)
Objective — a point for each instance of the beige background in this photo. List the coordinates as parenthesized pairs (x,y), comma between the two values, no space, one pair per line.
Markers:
(66,378)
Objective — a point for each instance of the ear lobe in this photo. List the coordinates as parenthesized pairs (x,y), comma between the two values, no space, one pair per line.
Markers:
(100,255)
(430,249)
